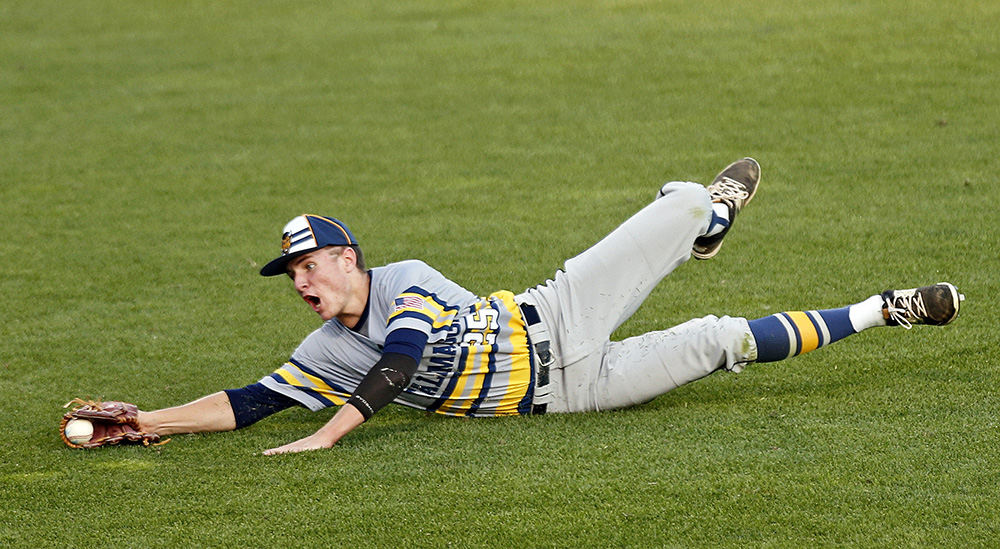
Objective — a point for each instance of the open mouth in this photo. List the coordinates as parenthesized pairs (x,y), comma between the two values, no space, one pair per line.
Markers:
(312,300)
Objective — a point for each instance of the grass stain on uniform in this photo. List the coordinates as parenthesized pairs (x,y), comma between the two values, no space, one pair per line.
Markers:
(698,213)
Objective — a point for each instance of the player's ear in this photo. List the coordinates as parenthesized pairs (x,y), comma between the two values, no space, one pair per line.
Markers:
(349,255)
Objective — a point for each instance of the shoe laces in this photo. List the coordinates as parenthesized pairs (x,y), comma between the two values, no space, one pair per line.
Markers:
(728,189)
(904,308)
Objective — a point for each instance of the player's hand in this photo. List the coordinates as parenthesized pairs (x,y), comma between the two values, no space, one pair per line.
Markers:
(311,442)
(343,422)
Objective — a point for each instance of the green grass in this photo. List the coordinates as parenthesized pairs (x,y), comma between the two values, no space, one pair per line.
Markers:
(151,152)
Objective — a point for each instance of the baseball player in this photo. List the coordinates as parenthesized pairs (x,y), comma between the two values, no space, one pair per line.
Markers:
(404,333)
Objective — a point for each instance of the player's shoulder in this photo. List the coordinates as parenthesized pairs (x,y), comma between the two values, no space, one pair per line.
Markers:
(414,275)
(410,269)
(407,264)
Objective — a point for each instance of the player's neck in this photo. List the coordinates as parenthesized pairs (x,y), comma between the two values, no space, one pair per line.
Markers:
(356,306)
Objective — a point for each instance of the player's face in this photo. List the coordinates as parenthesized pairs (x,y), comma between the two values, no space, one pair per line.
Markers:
(324,281)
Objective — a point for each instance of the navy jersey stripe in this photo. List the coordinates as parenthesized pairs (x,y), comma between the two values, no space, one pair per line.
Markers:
(446,394)
(487,383)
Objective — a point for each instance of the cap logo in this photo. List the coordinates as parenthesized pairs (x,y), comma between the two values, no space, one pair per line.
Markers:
(286,243)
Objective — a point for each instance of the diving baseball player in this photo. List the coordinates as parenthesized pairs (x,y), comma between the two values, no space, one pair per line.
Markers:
(404,333)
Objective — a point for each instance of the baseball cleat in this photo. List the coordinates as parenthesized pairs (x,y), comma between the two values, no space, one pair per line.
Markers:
(734,187)
(935,305)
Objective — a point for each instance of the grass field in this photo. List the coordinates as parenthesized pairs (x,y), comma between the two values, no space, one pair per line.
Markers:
(150,153)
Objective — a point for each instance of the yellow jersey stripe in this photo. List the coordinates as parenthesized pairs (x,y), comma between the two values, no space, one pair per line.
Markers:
(318,384)
(471,374)
(520,375)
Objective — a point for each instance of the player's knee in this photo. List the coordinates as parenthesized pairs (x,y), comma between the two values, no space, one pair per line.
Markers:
(685,191)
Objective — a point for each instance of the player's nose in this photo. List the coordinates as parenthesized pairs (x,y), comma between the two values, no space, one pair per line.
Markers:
(300,281)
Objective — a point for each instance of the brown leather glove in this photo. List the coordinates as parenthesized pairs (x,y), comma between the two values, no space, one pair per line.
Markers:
(114,423)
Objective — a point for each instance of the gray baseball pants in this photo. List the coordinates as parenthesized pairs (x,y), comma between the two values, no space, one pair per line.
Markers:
(602,287)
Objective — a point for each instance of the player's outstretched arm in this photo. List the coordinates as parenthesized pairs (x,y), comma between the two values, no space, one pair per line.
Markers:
(208,414)
(344,421)
(380,386)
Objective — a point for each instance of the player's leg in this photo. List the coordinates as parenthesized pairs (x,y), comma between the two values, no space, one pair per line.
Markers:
(788,334)
(640,368)
(603,286)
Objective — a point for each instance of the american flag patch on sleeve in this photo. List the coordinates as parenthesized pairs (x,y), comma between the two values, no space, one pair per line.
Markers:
(409,302)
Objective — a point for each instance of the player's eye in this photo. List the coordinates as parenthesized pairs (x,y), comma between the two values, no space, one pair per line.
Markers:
(310,266)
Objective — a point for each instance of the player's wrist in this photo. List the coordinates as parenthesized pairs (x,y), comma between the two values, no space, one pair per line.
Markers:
(147,422)
(344,421)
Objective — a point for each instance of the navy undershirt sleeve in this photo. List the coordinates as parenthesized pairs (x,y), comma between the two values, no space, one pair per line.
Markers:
(406,341)
(255,402)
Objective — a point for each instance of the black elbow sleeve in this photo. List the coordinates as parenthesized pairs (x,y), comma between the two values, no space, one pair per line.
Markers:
(383,383)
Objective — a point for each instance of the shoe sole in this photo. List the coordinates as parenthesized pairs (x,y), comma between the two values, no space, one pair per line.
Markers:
(755,187)
(956,298)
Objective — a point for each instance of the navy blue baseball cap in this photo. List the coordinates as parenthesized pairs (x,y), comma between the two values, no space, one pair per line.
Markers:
(305,234)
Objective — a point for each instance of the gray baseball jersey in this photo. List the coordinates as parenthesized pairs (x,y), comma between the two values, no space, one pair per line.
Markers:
(476,361)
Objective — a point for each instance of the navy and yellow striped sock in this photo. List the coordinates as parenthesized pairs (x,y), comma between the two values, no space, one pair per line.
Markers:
(788,334)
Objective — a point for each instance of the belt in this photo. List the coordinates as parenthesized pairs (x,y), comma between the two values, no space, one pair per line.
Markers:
(539,341)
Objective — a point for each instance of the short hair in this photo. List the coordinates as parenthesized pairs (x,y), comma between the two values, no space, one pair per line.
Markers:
(337,250)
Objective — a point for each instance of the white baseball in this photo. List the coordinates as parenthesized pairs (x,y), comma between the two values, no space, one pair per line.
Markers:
(79,431)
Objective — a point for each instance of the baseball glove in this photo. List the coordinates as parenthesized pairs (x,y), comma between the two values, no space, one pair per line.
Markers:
(114,423)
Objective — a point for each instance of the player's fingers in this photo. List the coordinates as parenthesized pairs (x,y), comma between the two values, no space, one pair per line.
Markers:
(293,447)
(276,451)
